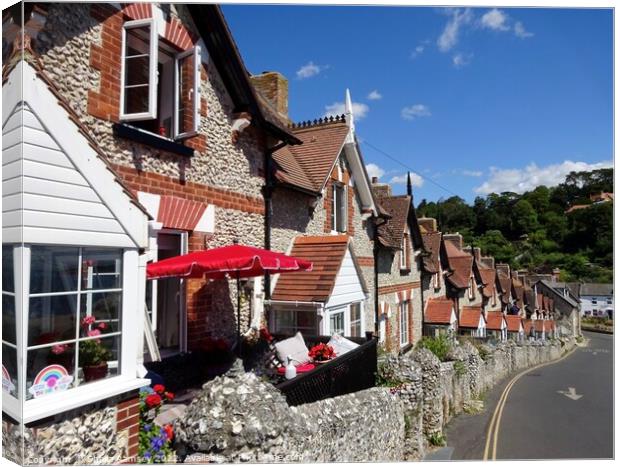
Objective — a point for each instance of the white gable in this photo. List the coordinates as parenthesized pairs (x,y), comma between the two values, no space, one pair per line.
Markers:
(348,285)
(481,322)
(56,190)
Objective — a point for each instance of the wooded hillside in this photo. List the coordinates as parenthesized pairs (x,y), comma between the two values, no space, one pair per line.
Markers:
(534,230)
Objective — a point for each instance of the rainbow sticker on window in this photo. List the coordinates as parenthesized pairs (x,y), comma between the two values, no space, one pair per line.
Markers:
(52,378)
(7,384)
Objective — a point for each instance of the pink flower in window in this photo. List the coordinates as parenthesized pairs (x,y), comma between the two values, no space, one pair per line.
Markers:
(59,349)
(94,332)
(88,320)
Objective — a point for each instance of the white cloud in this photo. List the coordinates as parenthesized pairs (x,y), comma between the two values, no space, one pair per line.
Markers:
(472,173)
(521,32)
(360,110)
(418,51)
(374,171)
(414,111)
(460,60)
(374,95)
(495,19)
(450,35)
(416,180)
(310,69)
(521,180)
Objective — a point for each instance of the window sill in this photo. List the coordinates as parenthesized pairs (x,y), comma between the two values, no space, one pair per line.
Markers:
(405,348)
(124,130)
(53,404)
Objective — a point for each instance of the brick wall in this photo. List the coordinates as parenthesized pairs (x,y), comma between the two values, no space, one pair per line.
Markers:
(128,418)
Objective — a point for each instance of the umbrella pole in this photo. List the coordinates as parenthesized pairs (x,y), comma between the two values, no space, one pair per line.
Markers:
(238,317)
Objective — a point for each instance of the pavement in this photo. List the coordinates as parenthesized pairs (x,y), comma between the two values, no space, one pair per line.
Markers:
(559,411)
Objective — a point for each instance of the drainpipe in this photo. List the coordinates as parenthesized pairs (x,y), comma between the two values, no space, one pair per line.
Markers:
(375,255)
(267,195)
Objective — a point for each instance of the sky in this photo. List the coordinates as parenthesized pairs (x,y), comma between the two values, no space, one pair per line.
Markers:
(472,100)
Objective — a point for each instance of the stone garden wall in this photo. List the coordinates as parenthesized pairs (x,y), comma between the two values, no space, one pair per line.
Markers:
(239,418)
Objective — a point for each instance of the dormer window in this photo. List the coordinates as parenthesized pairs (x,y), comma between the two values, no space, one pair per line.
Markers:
(339,208)
(160,85)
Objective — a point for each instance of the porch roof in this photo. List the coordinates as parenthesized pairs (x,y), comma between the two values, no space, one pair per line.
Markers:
(470,317)
(514,323)
(495,319)
(439,311)
(326,253)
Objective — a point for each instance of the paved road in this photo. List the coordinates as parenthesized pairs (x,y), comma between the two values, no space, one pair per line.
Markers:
(538,422)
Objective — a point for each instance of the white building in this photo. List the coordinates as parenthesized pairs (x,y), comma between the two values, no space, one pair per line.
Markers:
(597,300)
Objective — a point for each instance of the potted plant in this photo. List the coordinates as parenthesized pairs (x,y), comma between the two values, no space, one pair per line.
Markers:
(94,355)
(321,353)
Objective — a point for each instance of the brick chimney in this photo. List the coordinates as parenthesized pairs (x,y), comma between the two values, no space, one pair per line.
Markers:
(274,87)
(428,223)
(488,261)
(456,239)
(556,274)
(504,268)
(476,253)
(381,190)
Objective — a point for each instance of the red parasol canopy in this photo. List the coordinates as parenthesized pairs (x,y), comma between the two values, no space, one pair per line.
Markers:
(234,260)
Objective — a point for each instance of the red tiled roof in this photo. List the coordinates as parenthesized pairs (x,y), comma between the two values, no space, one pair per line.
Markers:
(391,232)
(488,279)
(494,320)
(538,325)
(470,317)
(504,282)
(513,322)
(326,253)
(438,311)
(432,243)
(179,213)
(460,264)
(527,325)
(549,324)
(309,164)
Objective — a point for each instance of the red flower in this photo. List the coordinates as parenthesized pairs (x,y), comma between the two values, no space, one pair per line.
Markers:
(321,352)
(88,320)
(102,326)
(159,388)
(153,400)
(169,431)
(169,395)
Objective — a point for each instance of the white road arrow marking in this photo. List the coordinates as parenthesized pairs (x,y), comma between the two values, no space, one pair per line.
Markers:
(571,394)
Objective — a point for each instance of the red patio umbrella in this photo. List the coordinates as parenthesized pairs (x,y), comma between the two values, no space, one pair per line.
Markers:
(234,261)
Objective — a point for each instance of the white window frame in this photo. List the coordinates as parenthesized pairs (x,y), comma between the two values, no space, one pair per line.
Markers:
(195,51)
(31,410)
(326,329)
(403,308)
(153,75)
(404,253)
(471,291)
(335,213)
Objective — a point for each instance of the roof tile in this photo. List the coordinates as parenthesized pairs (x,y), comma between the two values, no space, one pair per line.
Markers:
(470,317)
(438,311)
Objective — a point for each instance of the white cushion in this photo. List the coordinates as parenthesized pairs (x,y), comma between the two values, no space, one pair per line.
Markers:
(295,347)
(341,344)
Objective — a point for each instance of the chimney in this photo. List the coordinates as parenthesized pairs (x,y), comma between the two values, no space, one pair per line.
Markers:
(503,268)
(556,274)
(274,87)
(428,224)
(475,251)
(456,239)
(488,261)
(381,190)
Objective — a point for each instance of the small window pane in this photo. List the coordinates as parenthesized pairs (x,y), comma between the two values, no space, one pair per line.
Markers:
(9,370)
(105,311)
(137,100)
(88,349)
(53,269)
(336,323)
(8,318)
(356,320)
(137,70)
(8,280)
(40,383)
(52,319)
(186,101)
(101,269)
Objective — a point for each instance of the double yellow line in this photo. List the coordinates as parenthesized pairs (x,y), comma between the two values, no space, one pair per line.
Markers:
(493,431)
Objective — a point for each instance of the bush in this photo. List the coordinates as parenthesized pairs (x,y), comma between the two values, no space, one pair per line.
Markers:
(459,368)
(439,345)
(483,351)
(386,376)
(437,439)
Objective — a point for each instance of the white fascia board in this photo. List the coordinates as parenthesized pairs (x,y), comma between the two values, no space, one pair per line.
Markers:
(12,91)
(86,161)
(359,174)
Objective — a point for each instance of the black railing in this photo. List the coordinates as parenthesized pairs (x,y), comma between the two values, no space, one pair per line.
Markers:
(351,372)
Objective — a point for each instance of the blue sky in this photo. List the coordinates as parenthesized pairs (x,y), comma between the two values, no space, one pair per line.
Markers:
(475,100)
